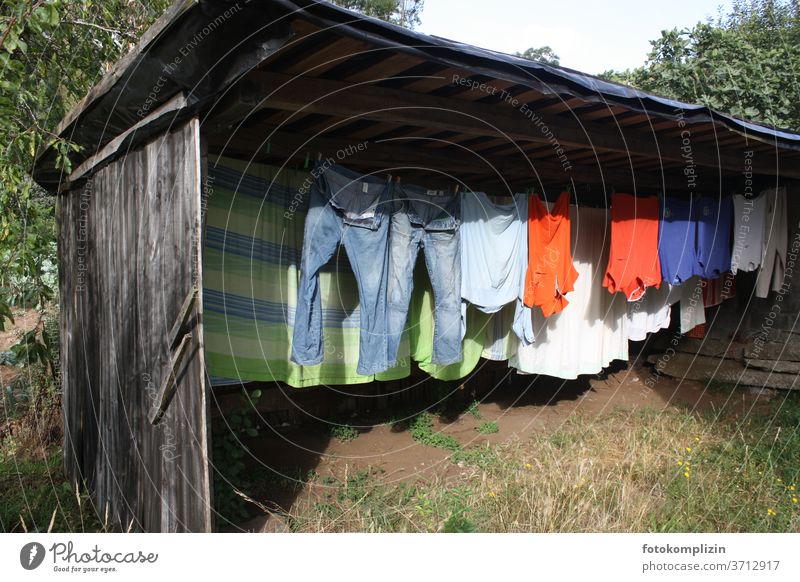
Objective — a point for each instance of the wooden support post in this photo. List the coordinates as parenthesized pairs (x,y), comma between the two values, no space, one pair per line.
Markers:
(167,389)
(179,326)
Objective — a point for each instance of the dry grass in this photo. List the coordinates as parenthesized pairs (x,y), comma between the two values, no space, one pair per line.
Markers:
(620,472)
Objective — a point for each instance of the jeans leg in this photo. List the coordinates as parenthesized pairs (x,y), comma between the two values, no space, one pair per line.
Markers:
(368,251)
(404,242)
(443,258)
(322,233)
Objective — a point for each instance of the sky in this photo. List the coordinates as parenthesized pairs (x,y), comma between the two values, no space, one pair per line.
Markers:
(588,36)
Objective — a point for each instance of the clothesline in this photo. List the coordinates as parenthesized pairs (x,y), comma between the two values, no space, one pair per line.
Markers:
(488,286)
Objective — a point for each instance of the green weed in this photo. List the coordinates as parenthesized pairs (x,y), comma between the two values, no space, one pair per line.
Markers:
(488,428)
(422,431)
(344,433)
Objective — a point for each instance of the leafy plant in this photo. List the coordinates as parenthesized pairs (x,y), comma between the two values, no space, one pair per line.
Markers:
(474,411)
(745,63)
(51,53)
(344,433)
(458,523)
(229,452)
(488,428)
(421,428)
(403,12)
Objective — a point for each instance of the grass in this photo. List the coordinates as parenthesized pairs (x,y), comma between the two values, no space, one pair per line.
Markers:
(37,498)
(619,471)
(622,471)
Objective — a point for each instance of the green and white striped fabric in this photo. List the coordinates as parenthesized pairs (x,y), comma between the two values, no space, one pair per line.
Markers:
(251,258)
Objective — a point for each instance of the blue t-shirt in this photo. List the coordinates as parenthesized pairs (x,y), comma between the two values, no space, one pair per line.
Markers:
(676,240)
(713,216)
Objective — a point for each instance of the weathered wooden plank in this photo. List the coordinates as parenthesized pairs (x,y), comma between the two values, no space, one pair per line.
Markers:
(172,106)
(168,384)
(179,327)
(143,249)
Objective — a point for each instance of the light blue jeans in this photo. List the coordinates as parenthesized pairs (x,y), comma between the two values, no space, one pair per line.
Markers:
(348,208)
(429,220)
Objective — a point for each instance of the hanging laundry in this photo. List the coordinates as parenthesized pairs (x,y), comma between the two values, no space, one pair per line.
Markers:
(715,291)
(592,330)
(697,332)
(651,313)
(251,257)
(550,274)
(500,340)
(776,238)
(676,240)
(713,217)
(494,256)
(748,232)
(353,210)
(633,264)
(692,310)
(430,220)
(420,331)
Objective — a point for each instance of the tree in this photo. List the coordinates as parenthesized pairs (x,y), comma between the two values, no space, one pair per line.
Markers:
(746,63)
(543,54)
(403,12)
(51,53)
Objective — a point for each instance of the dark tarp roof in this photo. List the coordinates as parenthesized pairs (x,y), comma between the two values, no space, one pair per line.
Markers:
(258,28)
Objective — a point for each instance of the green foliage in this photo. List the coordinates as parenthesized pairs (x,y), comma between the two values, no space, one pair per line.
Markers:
(473,410)
(229,452)
(51,53)
(402,12)
(344,433)
(458,523)
(542,54)
(421,429)
(30,350)
(488,428)
(745,63)
(5,314)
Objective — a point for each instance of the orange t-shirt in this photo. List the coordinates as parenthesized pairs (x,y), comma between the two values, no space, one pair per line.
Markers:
(633,263)
(550,273)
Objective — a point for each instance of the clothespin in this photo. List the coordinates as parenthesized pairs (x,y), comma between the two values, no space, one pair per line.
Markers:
(269,146)
(457,187)
(305,164)
(319,156)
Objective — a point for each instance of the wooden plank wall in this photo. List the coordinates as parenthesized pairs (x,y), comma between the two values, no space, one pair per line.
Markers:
(129,243)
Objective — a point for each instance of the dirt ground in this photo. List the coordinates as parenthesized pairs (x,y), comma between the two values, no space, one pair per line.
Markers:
(520,407)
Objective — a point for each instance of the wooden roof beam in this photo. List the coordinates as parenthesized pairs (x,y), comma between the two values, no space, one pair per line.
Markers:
(396,152)
(309,95)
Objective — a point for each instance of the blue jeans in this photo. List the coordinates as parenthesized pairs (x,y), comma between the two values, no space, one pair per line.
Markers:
(429,220)
(348,208)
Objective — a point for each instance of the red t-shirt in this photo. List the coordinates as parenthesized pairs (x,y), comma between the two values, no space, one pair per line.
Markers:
(550,273)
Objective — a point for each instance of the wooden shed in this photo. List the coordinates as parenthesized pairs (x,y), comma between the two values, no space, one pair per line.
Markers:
(275,81)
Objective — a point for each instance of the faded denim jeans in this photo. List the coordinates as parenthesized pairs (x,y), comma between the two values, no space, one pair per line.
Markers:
(430,220)
(348,208)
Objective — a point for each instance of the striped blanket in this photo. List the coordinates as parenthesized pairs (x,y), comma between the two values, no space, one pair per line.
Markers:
(251,257)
